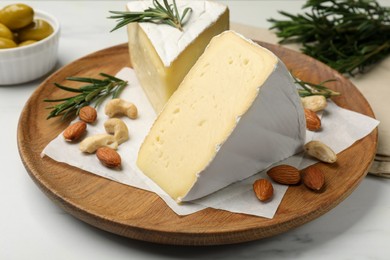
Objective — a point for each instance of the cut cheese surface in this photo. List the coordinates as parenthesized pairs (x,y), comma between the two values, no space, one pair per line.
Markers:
(235,113)
(162,55)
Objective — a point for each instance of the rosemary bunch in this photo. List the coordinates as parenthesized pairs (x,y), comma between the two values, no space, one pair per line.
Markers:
(166,14)
(95,91)
(348,35)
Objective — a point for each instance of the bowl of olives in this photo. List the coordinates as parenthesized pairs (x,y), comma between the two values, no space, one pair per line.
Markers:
(28,43)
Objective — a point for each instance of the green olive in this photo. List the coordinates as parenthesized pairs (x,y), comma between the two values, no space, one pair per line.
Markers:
(5,32)
(6,43)
(37,30)
(16,16)
(25,43)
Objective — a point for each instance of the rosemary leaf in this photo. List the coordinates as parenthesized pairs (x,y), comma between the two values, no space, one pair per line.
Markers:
(91,95)
(118,91)
(100,99)
(110,77)
(86,80)
(67,88)
(91,87)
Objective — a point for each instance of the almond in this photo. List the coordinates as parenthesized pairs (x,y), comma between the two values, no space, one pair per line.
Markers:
(108,157)
(88,114)
(74,131)
(313,178)
(313,122)
(263,189)
(284,174)
(321,151)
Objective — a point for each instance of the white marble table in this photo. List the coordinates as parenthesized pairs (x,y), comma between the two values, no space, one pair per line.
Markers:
(32,227)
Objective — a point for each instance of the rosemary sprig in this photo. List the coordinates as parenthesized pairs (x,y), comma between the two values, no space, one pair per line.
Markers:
(96,90)
(348,35)
(166,14)
(311,89)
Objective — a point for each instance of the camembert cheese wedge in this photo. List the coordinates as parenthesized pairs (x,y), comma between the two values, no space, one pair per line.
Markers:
(162,55)
(235,113)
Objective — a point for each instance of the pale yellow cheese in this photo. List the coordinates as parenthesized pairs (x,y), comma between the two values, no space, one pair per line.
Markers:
(159,81)
(203,112)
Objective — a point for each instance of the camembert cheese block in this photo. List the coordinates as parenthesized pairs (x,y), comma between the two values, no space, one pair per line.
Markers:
(235,113)
(162,55)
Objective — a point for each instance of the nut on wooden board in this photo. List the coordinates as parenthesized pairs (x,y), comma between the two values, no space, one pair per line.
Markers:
(263,189)
(284,174)
(88,114)
(108,157)
(74,131)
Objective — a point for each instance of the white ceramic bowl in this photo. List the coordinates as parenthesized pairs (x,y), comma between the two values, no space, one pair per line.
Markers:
(23,64)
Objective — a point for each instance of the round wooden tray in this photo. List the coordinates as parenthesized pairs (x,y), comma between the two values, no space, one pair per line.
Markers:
(142,215)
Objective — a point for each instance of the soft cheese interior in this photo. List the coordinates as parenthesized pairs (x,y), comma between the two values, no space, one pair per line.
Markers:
(235,113)
(162,55)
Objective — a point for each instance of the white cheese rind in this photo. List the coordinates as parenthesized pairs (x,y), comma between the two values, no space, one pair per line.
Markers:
(169,42)
(272,129)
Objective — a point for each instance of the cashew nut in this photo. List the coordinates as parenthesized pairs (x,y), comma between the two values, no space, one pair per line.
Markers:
(92,143)
(315,103)
(118,128)
(119,107)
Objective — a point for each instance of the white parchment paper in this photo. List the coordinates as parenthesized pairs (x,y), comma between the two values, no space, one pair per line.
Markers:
(340,129)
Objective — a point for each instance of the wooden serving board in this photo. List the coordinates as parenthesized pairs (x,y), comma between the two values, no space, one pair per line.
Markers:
(142,215)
